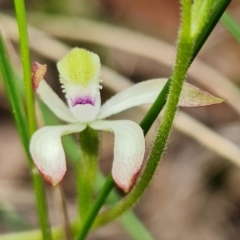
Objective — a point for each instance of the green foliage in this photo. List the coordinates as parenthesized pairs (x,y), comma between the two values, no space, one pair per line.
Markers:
(13,96)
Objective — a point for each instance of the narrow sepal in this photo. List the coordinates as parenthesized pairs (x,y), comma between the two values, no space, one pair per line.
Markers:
(192,96)
(54,102)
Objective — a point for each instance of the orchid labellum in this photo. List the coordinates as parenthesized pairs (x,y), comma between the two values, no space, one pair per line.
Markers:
(80,76)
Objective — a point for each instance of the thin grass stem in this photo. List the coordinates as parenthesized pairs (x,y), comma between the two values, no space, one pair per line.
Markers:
(26,65)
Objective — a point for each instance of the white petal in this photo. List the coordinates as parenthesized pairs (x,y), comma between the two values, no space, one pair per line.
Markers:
(147,92)
(129,148)
(138,94)
(55,104)
(47,151)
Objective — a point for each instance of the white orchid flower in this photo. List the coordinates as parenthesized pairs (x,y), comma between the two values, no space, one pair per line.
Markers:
(80,76)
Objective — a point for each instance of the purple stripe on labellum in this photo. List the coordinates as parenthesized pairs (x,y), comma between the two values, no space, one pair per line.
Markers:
(83,100)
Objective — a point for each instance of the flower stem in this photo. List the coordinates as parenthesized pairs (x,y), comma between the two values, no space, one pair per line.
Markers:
(200,16)
(106,189)
(216,13)
(86,170)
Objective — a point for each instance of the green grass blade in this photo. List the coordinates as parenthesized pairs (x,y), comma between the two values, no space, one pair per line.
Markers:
(14,96)
(25,57)
(231,25)
(135,227)
(16,103)
(10,219)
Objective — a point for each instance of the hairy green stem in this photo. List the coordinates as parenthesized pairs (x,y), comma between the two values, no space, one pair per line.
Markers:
(200,17)
(216,13)
(196,6)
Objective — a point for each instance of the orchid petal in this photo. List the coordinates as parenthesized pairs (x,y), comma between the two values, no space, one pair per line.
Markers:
(147,92)
(47,150)
(129,148)
(54,102)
